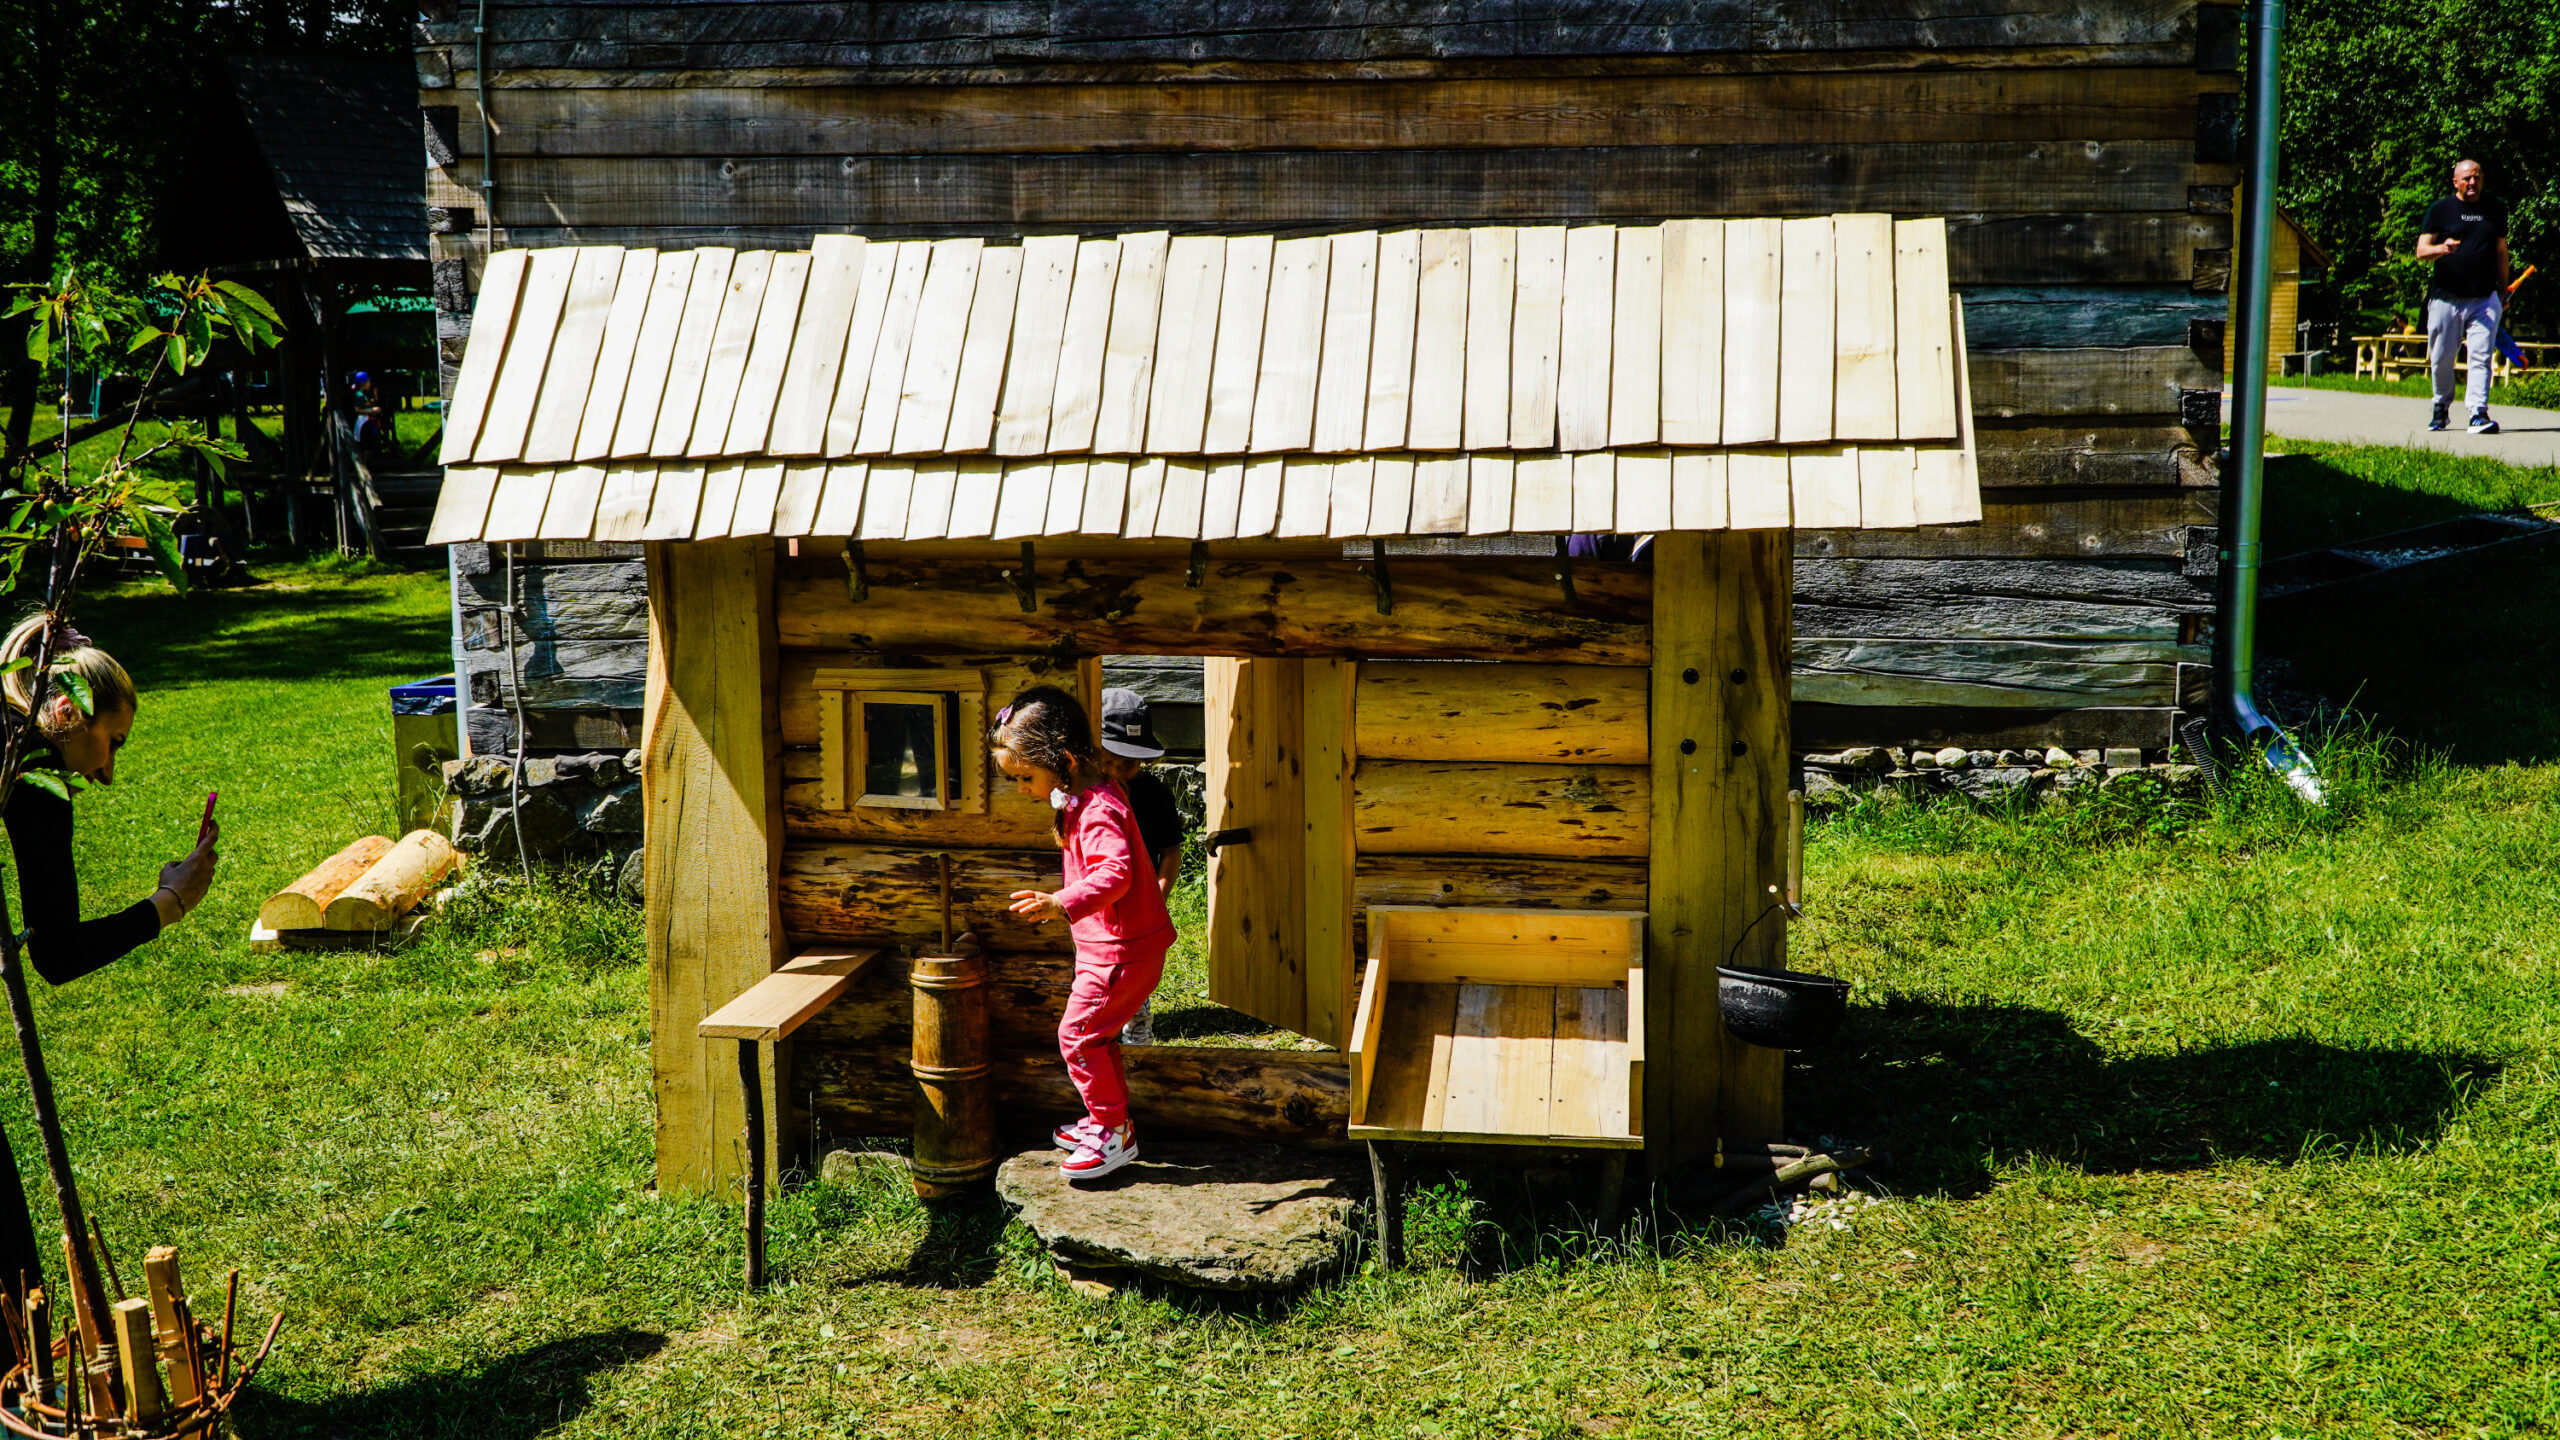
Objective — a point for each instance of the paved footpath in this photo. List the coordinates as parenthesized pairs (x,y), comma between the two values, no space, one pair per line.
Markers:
(2526,437)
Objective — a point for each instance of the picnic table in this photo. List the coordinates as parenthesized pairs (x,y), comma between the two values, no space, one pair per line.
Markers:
(2389,357)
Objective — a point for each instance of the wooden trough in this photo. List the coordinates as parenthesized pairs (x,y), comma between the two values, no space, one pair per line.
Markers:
(1501,1026)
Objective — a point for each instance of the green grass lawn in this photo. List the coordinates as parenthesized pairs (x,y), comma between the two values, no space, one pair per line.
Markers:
(2321,494)
(2222,1120)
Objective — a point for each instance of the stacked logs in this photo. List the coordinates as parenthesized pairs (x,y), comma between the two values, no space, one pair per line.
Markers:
(358,894)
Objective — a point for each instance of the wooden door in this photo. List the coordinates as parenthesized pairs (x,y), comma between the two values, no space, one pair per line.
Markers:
(1280,903)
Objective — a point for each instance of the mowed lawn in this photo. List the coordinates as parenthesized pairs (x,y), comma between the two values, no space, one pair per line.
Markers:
(2230,1121)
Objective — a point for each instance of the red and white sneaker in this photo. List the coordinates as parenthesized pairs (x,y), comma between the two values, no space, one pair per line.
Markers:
(1077,1133)
(1102,1155)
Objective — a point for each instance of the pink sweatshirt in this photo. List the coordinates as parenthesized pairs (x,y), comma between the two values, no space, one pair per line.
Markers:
(1110,897)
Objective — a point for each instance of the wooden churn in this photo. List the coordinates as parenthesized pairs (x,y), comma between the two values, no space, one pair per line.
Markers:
(955,1110)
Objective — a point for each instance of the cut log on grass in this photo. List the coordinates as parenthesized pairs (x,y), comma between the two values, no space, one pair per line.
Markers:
(299,906)
(394,885)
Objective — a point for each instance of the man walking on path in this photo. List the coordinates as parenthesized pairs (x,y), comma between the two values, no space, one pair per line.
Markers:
(2465,235)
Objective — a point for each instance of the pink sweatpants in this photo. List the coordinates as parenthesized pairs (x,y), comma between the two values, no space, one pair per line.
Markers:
(1105,994)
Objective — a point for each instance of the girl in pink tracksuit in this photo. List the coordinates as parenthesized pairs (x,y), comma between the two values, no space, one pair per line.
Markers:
(1112,906)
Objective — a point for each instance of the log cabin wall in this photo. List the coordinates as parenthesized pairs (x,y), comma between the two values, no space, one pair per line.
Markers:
(2083,155)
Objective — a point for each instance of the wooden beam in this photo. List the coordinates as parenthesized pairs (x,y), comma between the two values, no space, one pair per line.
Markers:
(714,793)
(1331,756)
(1441,807)
(1952,105)
(815,35)
(1374,187)
(2140,381)
(1479,608)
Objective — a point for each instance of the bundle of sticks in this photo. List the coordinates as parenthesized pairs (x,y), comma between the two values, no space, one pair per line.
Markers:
(148,1368)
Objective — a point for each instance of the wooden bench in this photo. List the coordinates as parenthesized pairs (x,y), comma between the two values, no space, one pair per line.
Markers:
(770,1010)
(2388,357)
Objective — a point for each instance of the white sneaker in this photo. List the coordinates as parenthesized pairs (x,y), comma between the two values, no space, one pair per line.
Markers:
(1097,1158)
(1076,1134)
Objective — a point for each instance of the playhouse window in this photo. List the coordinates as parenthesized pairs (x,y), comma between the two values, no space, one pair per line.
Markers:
(902,739)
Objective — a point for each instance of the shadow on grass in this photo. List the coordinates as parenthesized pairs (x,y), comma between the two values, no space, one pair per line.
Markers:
(333,628)
(2313,502)
(1948,1091)
(2470,668)
(524,1394)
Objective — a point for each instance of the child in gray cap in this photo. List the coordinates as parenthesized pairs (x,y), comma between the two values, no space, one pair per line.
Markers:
(1129,738)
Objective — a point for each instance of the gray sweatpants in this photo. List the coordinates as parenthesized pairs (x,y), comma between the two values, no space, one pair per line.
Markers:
(2462,324)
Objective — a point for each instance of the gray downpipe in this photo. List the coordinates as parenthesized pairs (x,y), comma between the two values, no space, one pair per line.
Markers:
(2246,472)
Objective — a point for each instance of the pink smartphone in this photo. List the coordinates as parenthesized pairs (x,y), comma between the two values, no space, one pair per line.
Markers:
(205,826)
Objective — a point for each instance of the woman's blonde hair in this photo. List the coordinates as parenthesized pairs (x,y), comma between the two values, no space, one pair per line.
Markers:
(110,688)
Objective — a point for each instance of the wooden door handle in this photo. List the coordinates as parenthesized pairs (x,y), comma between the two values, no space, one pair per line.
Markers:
(1227,837)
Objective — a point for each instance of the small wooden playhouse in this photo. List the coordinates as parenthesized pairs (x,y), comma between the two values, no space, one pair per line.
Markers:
(1489,818)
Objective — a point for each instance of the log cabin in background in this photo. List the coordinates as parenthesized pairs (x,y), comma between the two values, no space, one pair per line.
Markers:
(2081,153)
(883,486)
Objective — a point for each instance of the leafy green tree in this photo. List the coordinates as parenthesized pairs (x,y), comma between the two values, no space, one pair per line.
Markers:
(97,99)
(2381,97)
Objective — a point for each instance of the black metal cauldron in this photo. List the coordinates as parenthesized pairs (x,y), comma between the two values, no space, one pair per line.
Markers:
(1781,1009)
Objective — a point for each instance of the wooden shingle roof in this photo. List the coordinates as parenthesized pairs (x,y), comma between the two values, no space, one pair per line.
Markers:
(341,136)
(1697,374)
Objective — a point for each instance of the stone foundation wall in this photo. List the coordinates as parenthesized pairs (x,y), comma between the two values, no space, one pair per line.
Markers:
(1985,774)
(566,807)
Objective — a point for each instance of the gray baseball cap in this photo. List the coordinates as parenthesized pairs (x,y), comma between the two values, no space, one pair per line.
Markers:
(1127,729)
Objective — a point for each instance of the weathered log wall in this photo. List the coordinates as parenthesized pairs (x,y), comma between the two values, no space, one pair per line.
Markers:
(2083,155)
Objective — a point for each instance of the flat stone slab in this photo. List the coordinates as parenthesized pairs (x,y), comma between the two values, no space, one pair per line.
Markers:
(1211,1216)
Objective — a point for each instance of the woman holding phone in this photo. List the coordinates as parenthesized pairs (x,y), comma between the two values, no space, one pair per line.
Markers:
(59,945)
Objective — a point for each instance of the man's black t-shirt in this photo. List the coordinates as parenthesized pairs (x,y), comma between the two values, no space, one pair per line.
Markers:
(1159,819)
(2472,271)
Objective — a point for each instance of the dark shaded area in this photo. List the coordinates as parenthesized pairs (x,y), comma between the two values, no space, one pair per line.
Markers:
(163,637)
(1946,1090)
(530,1392)
(2469,666)
(2313,505)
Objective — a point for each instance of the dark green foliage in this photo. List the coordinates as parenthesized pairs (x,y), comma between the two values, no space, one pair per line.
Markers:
(2381,97)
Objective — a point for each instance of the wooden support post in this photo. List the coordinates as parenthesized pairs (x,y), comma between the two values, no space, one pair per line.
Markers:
(751,1100)
(1718,752)
(1332,978)
(712,778)
(1754,581)
(145,1403)
(40,1337)
(1613,1189)
(168,1324)
(1386,1182)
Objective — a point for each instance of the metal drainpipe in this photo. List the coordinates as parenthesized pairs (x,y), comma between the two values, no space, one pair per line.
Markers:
(2246,472)
(488,132)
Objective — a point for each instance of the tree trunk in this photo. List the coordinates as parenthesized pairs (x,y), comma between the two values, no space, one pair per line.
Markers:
(18,387)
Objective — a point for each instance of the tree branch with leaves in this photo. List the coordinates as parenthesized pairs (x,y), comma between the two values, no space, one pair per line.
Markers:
(59,516)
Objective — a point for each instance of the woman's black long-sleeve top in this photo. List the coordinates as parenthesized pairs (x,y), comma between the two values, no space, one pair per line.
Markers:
(61,946)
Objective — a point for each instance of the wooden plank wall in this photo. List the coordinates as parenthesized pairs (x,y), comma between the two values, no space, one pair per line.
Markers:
(2083,156)
(1519,783)
(581,644)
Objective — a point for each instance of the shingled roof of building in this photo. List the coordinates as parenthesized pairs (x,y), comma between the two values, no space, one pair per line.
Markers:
(342,137)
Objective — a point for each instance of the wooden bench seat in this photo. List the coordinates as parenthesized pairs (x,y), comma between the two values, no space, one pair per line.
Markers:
(785,1000)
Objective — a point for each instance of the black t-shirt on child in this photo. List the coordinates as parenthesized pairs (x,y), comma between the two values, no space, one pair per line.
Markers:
(1159,819)
(2472,271)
